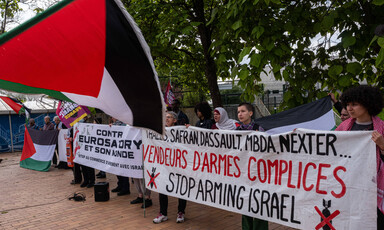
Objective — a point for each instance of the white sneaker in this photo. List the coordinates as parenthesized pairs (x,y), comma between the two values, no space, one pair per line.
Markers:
(180,217)
(160,218)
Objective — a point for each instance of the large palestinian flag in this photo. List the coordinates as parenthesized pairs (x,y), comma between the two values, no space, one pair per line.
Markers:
(89,52)
(316,115)
(39,147)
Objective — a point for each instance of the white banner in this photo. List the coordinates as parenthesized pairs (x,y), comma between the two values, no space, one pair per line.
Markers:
(115,149)
(304,179)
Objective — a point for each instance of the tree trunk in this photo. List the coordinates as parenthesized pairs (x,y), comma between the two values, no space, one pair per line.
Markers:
(210,65)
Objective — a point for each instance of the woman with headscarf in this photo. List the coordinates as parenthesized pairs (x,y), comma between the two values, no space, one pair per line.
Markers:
(222,120)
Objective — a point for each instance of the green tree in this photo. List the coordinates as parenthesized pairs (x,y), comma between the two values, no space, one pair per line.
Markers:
(186,40)
(8,9)
(312,45)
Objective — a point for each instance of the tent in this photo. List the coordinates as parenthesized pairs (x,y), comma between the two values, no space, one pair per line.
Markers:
(12,124)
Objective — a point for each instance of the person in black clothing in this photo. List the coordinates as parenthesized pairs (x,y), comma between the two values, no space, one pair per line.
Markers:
(123,187)
(204,113)
(87,172)
(182,118)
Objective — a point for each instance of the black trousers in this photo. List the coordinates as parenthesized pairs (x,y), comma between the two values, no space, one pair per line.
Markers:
(88,174)
(164,204)
(380,220)
(77,173)
(123,183)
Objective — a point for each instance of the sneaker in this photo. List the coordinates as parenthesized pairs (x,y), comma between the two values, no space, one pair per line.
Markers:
(147,203)
(160,218)
(138,200)
(180,217)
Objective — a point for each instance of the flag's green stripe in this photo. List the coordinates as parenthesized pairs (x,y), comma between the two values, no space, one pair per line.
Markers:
(33,21)
(35,165)
(20,88)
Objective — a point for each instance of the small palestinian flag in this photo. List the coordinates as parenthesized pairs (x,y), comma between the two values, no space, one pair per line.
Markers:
(39,147)
(317,115)
(89,52)
(17,106)
(169,96)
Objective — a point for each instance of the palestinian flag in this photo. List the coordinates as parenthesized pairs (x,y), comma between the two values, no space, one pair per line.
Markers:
(317,115)
(17,106)
(169,96)
(39,147)
(89,52)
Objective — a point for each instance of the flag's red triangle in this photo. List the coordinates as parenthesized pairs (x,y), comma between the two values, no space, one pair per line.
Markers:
(15,106)
(28,148)
(63,50)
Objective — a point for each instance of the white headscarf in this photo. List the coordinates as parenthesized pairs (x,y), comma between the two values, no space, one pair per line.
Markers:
(225,123)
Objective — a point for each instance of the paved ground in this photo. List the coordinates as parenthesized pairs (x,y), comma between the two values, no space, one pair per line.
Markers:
(39,200)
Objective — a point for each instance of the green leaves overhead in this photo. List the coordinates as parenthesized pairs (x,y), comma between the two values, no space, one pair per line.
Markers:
(335,70)
(378,2)
(354,68)
(314,45)
(348,41)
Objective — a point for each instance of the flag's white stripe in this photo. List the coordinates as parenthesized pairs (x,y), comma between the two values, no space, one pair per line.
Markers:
(43,152)
(325,122)
(110,100)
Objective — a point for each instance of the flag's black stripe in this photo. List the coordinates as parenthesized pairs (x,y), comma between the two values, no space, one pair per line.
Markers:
(130,68)
(300,114)
(48,137)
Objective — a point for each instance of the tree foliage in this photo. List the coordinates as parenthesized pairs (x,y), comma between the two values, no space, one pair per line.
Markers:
(186,40)
(8,9)
(313,45)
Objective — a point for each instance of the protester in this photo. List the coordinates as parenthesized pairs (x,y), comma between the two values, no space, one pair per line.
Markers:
(122,181)
(363,104)
(101,174)
(182,118)
(77,178)
(87,172)
(142,193)
(222,120)
(58,124)
(344,115)
(336,103)
(48,124)
(170,120)
(204,113)
(245,112)
(32,124)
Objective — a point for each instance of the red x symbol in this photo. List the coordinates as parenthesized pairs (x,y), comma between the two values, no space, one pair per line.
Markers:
(152,179)
(326,219)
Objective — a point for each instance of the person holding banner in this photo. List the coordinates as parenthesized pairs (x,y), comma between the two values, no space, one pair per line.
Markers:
(204,113)
(182,118)
(363,104)
(143,193)
(170,120)
(122,181)
(245,112)
(222,120)
(32,124)
(48,124)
